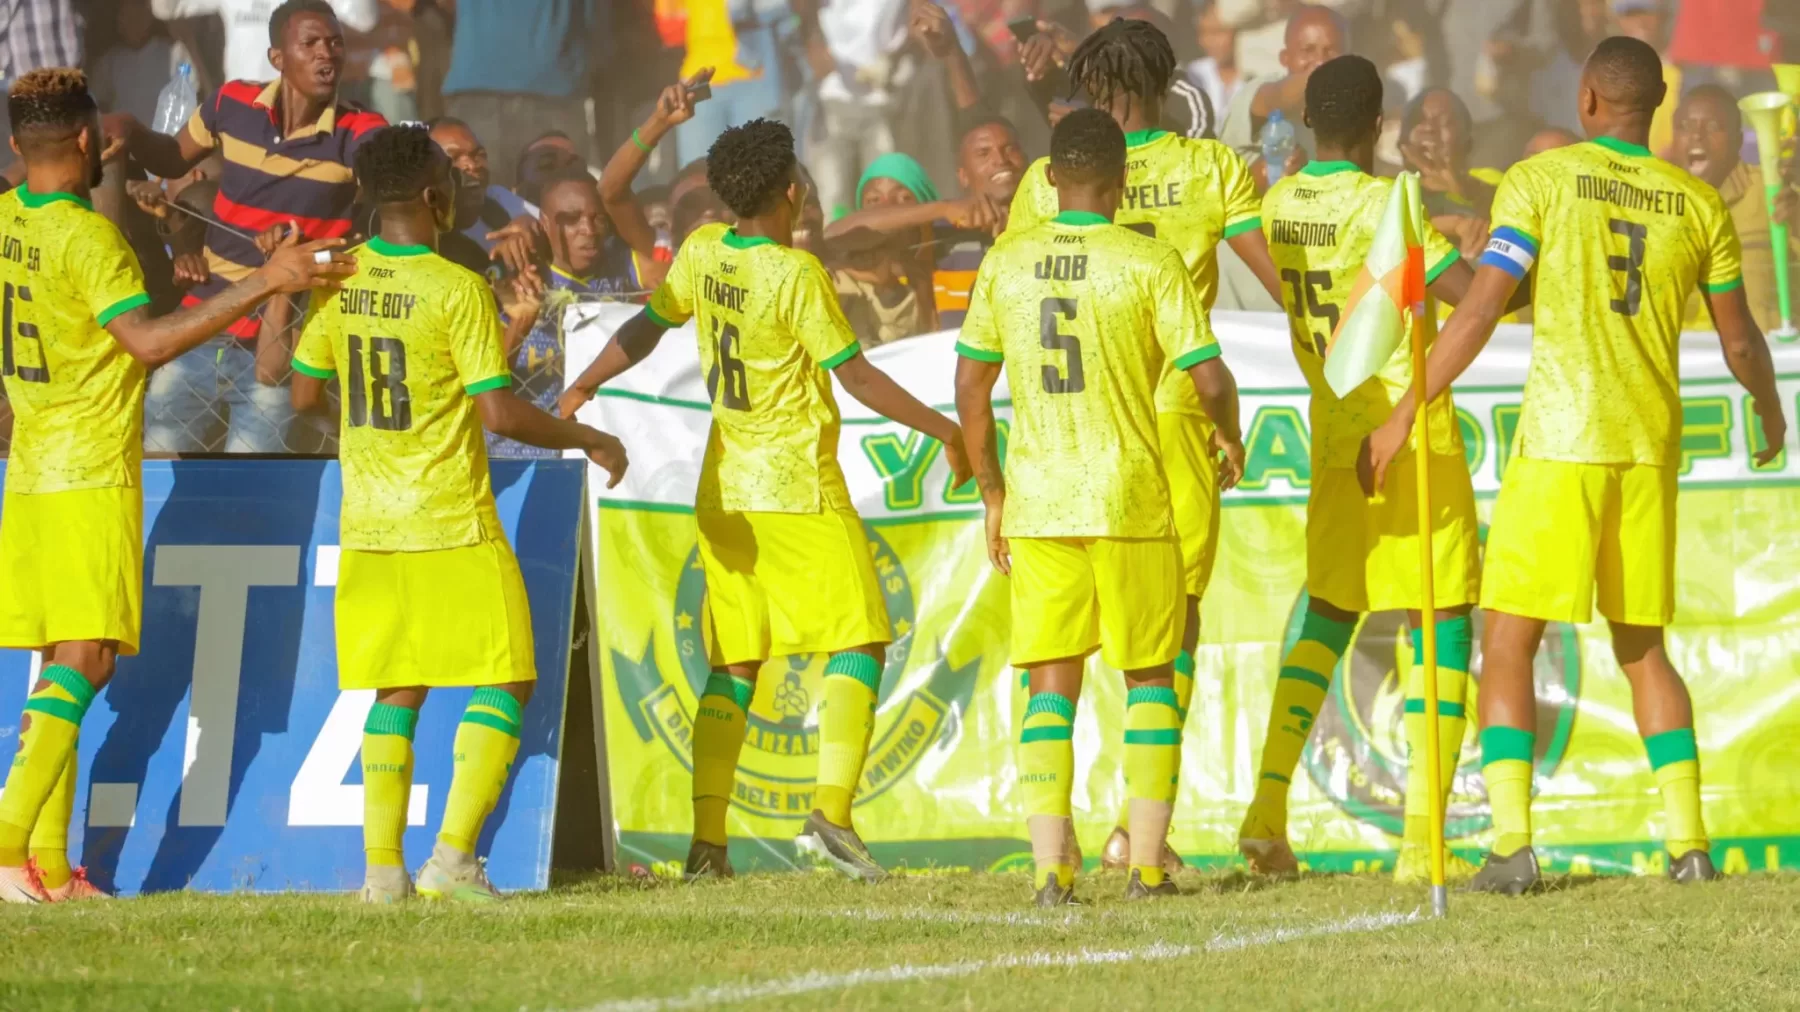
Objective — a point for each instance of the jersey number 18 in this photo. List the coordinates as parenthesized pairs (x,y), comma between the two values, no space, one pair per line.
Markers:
(383,389)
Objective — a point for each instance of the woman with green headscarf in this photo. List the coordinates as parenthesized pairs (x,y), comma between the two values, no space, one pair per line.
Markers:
(884,281)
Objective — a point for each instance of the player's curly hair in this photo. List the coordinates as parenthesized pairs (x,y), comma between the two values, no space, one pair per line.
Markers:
(1343,99)
(49,107)
(394,165)
(279,18)
(749,166)
(1087,146)
(1127,57)
(1628,73)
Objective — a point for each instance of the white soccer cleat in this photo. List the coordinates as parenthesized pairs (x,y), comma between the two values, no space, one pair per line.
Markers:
(20,884)
(385,884)
(455,876)
(76,888)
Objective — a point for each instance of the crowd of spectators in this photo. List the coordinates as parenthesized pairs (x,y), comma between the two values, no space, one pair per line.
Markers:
(579,128)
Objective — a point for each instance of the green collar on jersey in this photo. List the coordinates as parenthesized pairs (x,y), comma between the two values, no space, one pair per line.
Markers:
(1138,138)
(1329,168)
(1622,147)
(1081,218)
(388,249)
(735,241)
(36,200)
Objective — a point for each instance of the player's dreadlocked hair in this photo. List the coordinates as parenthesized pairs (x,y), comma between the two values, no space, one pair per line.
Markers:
(278,20)
(1343,100)
(1087,146)
(1126,58)
(749,165)
(1627,73)
(394,165)
(49,107)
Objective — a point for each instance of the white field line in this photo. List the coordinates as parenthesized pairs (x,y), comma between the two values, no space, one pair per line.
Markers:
(902,973)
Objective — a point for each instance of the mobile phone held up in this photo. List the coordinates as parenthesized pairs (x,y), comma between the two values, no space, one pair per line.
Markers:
(1054,85)
(699,92)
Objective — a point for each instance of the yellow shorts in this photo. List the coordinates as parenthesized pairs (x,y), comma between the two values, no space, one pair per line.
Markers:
(1562,530)
(1192,466)
(72,567)
(1362,554)
(455,616)
(789,583)
(1073,595)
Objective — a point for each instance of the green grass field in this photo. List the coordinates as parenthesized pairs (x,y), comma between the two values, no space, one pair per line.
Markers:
(921,941)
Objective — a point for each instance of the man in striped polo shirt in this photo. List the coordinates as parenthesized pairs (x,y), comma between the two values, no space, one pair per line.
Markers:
(288,147)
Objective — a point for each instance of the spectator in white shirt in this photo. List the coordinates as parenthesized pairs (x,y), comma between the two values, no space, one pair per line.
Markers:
(1216,73)
(129,76)
(247,29)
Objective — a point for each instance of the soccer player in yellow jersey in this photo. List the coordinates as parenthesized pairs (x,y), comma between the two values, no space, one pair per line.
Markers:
(1362,554)
(1587,503)
(788,569)
(76,343)
(429,594)
(1083,315)
(1192,194)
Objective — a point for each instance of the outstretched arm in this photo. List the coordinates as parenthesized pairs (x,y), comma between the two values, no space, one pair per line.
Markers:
(1218,392)
(1747,356)
(878,392)
(674,107)
(1452,286)
(975,381)
(168,156)
(506,414)
(630,345)
(1254,248)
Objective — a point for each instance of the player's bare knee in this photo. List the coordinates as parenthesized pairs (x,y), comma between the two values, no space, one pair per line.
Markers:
(1325,609)
(95,660)
(1634,644)
(1160,676)
(878,651)
(747,672)
(520,691)
(410,697)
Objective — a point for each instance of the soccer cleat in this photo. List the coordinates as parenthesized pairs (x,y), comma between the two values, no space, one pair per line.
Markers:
(1116,855)
(706,860)
(1414,866)
(837,847)
(1054,895)
(1135,889)
(386,884)
(20,884)
(76,888)
(451,875)
(1270,856)
(1694,866)
(1509,876)
(1072,846)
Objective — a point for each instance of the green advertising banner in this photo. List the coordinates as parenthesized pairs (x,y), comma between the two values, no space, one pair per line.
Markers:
(939,791)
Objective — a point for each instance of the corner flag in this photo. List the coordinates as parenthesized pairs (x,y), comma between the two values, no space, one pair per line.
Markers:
(1392,282)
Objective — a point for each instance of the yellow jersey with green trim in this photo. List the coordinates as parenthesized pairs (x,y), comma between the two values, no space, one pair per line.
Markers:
(412,338)
(769,327)
(1085,315)
(1191,193)
(1320,224)
(1620,239)
(77,394)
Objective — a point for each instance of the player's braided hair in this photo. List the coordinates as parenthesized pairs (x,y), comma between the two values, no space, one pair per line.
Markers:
(1627,73)
(394,165)
(49,106)
(1343,99)
(1087,146)
(1128,57)
(749,166)
(279,18)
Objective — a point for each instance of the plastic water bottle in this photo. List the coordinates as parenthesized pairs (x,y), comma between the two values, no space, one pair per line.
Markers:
(1277,145)
(177,102)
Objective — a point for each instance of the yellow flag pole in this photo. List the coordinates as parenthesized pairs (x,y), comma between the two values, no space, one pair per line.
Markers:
(1424,331)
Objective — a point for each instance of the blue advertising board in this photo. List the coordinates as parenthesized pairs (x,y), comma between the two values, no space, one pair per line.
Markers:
(223,756)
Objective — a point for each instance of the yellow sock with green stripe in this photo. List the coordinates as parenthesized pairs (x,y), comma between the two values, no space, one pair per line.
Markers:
(1299,693)
(718,737)
(487,740)
(55,713)
(846,719)
(1455,637)
(1675,759)
(1506,766)
(1047,782)
(50,837)
(387,768)
(1184,694)
(1152,763)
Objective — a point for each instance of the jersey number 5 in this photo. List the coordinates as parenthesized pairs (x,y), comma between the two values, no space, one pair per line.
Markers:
(727,382)
(1055,382)
(384,388)
(26,332)
(1632,263)
(1306,303)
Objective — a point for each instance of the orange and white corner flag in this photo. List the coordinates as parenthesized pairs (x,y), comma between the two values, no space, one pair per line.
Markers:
(1387,296)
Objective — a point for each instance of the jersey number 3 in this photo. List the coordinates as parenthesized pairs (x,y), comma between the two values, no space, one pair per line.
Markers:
(1055,380)
(380,398)
(1632,263)
(12,325)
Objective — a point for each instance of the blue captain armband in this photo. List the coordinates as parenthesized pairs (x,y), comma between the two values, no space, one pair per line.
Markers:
(1510,250)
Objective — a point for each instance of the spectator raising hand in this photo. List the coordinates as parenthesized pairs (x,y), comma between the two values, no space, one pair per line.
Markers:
(674,107)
